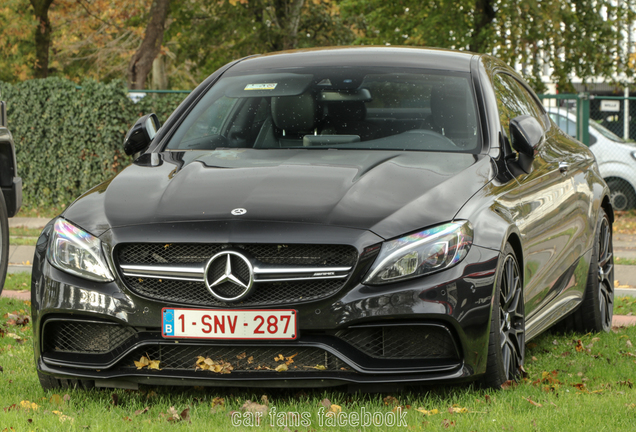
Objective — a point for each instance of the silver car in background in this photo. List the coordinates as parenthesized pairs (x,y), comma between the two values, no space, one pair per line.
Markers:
(616,157)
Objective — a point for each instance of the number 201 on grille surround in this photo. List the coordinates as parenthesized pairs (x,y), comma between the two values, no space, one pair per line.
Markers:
(270,324)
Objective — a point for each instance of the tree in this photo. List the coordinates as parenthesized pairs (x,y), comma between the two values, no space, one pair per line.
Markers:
(580,37)
(141,62)
(42,37)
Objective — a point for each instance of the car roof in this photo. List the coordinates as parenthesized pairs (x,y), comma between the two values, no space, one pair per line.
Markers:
(408,57)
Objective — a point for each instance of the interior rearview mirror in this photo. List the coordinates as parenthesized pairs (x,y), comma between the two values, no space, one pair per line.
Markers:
(141,134)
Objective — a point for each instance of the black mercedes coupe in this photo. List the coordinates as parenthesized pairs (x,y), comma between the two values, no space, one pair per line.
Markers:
(359,216)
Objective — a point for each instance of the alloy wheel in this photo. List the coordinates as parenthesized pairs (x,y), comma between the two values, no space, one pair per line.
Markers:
(511,318)
(605,268)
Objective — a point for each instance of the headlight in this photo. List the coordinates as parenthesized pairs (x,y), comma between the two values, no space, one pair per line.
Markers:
(421,253)
(75,251)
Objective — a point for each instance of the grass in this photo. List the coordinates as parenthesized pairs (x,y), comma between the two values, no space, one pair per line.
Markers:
(41,212)
(24,236)
(624,261)
(17,281)
(625,305)
(570,386)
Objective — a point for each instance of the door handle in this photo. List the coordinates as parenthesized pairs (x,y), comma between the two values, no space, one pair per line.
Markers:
(563,167)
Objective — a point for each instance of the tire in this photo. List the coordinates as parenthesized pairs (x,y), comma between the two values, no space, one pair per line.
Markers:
(597,308)
(622,196)
(49,382)
(506,343)
(4,242)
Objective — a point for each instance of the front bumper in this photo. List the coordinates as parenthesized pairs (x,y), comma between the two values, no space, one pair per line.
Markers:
(343,339)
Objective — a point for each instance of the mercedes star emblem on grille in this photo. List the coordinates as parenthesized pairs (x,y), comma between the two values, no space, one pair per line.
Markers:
(239,211)
(229,276)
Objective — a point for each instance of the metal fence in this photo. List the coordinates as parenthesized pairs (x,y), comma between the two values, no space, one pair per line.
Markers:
(605,125)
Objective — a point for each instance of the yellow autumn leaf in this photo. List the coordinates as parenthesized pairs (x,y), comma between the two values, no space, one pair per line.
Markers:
(281,368)
(335,409)
(142,363)
(279,357)
(154,364)
(427,412)
(457,410)
(29,405)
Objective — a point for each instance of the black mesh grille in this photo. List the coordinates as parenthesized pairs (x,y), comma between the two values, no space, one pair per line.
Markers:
(263,293)
(84,337)
(304,359)
(285,255)
(271,293)
(402,342)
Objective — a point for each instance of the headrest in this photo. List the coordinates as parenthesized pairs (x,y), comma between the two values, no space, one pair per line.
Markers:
(294,113)
(342,112)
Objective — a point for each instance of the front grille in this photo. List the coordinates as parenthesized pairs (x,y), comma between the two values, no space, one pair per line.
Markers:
(303,359)
(402,342)
(275,254)
(271,293)
(84,337)
(263,294)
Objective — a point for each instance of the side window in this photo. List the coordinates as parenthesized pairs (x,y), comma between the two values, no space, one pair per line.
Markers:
(211,120)
(565,124)
(514,100)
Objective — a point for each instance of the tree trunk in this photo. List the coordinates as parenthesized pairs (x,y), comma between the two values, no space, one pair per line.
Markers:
(159,75)
(141,62)
(285,17)
(484,16)
(42,37)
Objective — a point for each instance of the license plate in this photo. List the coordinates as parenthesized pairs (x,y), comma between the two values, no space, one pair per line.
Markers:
(229,323)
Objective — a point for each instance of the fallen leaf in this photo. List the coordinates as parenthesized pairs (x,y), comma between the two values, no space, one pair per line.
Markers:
(391,401)
(253,407)
(281,368)
(508,384)
(142,363)
(241,356)
(289,360)
(427,412)
(56,399)
(457,410)
(250,359)
(537,404)
(279,357)
(326,403)
(579,346)
(142,411)
(448,423)
(29,405)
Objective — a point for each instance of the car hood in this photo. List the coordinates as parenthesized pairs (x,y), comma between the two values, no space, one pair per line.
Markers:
(386,192)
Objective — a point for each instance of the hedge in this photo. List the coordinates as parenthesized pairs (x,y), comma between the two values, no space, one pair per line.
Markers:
(68,139)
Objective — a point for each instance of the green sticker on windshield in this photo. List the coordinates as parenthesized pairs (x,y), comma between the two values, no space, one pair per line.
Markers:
(266,86)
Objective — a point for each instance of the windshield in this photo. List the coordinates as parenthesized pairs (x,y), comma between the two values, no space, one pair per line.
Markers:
(335,108)
(606,132)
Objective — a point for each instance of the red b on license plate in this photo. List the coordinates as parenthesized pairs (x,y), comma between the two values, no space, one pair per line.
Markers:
(229,324)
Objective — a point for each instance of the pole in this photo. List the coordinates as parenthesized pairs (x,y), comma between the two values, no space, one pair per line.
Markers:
(626,115)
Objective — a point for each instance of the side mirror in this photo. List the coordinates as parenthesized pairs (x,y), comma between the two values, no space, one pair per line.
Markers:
(141,134)
(526,133)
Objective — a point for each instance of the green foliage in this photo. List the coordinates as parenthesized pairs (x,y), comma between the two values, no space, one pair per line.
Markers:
(68,140)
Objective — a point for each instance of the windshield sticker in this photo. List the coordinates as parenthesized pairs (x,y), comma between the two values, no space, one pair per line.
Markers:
(267,86)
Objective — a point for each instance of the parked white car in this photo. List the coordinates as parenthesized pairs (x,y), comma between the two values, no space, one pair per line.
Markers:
(616,158)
